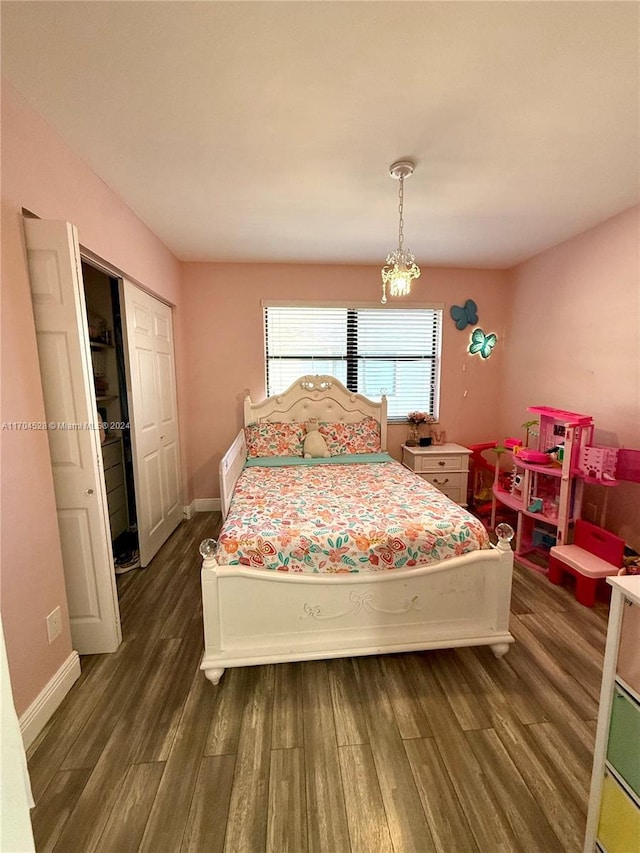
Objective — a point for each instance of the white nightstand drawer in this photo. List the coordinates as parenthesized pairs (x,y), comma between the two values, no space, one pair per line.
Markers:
(442,462)
(453,484)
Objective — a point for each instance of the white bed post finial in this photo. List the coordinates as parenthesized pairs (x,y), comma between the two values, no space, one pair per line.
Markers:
(207,552)
(505,534)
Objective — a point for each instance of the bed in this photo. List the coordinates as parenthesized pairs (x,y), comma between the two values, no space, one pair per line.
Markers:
(341,556)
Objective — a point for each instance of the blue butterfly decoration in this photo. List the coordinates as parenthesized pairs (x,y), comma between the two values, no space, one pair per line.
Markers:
(482,344)
(466,315)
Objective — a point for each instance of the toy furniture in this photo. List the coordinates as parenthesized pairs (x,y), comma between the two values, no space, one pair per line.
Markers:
(613,822)
(595,554)
(481,473)
(547,481)
(546,494)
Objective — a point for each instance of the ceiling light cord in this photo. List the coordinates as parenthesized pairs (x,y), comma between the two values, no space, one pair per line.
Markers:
(400,211)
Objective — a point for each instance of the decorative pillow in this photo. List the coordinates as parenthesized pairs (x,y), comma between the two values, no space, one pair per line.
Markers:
(360,437)
(274,439)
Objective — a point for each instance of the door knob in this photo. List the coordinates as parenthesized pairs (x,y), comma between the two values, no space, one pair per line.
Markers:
(89,492)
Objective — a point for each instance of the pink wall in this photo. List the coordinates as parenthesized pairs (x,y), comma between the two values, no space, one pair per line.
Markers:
(42,174)
(226,355)
(574,343)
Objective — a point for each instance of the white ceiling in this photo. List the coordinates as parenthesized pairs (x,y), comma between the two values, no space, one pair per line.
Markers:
(263,131)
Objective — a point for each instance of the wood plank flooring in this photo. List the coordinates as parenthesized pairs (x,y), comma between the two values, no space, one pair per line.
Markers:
(447,751)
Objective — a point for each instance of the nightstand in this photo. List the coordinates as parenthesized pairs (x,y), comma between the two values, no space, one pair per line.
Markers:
(445,466)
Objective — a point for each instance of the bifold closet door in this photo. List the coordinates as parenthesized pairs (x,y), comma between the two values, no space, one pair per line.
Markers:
(154,417)
(57,293)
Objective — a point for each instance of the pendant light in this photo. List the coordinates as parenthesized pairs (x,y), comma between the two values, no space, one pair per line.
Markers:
(400,268)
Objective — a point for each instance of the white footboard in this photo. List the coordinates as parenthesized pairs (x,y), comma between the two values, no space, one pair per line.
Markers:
(257,617)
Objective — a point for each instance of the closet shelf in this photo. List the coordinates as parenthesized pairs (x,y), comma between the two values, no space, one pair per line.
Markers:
(104,398)
(100,345)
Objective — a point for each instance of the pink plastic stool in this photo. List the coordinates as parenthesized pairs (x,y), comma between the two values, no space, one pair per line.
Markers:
(595,554)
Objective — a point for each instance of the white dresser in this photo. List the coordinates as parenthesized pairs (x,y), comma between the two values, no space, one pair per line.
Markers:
(446,466)
(613,823)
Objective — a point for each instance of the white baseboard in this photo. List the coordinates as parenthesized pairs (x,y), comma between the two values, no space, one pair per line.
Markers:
(47,701)
(189,510)
(206,504)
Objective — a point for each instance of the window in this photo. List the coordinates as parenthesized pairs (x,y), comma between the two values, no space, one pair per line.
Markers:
(392,351)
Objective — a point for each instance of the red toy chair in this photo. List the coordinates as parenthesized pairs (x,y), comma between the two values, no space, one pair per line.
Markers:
(480,492)
(481,476)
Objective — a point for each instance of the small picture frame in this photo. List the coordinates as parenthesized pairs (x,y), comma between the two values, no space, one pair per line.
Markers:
(439,436)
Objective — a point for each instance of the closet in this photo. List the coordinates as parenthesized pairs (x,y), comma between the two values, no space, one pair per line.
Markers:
(104,323)
(106,355)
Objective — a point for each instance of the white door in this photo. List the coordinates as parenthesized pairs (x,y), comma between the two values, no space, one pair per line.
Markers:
(154,417)
(57,293)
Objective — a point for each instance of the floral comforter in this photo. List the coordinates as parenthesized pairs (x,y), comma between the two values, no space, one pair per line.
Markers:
(343,518)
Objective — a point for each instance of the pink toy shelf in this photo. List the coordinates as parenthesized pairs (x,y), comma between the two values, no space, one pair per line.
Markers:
(547,480)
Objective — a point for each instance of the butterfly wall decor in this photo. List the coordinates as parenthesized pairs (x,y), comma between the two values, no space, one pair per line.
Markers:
(482,344)
(466,315)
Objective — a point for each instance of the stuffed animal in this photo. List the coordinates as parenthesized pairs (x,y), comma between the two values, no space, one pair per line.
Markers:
(315,447)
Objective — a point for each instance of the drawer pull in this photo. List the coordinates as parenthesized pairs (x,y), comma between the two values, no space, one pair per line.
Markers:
(442,462)
(441,482)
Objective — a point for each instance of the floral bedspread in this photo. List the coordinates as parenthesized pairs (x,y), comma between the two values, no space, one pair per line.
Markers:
(343,518)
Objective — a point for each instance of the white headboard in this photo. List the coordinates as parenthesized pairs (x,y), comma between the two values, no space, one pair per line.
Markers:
(322,397)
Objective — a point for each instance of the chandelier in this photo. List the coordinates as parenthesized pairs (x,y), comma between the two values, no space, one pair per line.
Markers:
(400,268)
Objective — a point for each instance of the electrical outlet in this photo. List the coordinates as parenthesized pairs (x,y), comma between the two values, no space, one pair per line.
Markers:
(54,624)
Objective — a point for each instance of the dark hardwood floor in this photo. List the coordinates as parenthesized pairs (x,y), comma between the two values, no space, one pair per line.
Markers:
(446,750)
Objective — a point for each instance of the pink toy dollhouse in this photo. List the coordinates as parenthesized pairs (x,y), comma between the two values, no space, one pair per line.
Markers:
(547,481)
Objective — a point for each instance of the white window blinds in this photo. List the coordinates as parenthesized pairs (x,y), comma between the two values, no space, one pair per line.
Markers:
(371,350)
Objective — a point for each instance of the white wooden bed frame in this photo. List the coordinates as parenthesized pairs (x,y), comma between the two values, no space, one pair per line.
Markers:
(253,616)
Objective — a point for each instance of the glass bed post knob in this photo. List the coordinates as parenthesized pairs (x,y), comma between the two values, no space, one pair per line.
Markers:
(505,534)
(207,548)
